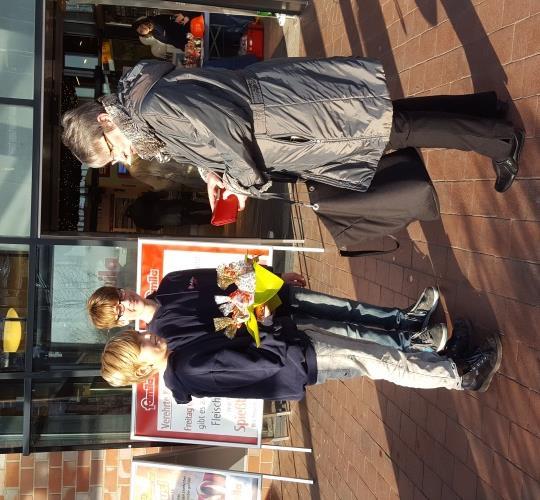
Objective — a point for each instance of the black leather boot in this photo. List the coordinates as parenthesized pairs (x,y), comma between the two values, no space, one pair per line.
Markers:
(508,168)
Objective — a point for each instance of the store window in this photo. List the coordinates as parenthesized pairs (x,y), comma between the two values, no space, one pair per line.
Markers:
(17,57)
(85,93)
(16,127)
(11,415)
(82,61)
(80,44)
(13,306)
(67,275)
(79,411)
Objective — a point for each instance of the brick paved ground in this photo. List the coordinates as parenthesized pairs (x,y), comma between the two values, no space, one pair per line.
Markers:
(376,440)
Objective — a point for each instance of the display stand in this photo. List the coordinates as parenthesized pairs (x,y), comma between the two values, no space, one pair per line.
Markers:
(170,481)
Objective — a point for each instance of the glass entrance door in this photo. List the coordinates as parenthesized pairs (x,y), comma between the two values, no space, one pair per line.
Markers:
(65,338)
(79,411)
(71,404)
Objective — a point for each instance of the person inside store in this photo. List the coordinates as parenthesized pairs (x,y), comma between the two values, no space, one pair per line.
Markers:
(153,210)
(310,338)
(172,29)
(328,120)
(169,29)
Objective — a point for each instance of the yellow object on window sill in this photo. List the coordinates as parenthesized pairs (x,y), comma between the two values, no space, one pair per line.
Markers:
(12,331)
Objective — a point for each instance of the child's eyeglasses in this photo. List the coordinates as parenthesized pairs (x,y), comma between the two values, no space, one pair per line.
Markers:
(121,307)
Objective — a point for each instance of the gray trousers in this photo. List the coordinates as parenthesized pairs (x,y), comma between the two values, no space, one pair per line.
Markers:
(361,358)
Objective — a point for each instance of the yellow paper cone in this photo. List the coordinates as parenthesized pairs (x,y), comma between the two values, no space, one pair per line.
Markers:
(267,285)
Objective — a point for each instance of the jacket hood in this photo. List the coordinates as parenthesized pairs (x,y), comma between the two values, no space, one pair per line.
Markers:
(137,82)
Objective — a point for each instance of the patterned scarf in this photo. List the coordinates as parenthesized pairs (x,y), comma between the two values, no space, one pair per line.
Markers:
(143,138)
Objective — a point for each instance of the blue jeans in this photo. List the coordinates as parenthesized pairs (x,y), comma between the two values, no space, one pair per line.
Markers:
(352,331)
(348,318)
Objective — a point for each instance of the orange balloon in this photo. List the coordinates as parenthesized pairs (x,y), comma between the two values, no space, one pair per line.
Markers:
(197,26)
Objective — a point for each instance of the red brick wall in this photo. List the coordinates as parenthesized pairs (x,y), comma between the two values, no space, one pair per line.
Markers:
(262,461)
(68,475)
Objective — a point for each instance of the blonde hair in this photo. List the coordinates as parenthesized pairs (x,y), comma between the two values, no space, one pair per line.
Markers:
(102,307)
(120,360)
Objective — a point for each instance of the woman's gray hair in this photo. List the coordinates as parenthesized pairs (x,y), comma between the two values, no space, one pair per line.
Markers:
(82,133)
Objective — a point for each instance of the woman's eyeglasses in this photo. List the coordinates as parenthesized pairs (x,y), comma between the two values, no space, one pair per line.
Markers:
(122,158)
(111,150)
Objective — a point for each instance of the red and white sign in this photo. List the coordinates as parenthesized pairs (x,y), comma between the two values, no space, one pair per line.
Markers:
(151,481)
(155,414)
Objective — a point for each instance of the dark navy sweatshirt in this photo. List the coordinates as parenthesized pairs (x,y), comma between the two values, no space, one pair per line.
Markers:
(204,362)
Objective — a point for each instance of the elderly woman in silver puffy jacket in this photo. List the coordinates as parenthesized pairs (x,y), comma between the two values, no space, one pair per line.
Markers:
(328,120)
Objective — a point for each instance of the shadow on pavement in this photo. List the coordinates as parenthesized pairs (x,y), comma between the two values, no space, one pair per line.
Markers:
(437,439)
(487,72)
(308,443)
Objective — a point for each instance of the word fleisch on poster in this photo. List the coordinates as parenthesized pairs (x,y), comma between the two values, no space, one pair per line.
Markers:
(155,414)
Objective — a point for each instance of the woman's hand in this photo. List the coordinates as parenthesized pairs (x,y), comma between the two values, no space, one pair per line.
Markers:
(213,185)
(293,279)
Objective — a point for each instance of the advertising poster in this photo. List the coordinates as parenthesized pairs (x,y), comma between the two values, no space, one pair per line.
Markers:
(151,481)
(155,414)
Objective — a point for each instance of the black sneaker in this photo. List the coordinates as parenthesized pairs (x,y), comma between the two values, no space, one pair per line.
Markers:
(433,338)
(508,168)
(425,306)
(479,368)
(459,344)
